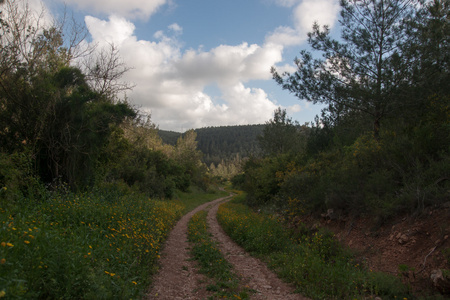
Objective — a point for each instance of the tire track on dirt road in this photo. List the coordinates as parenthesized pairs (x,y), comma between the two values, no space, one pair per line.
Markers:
(254,273)
(178,278)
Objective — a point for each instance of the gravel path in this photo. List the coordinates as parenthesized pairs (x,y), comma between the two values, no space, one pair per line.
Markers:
(178,278)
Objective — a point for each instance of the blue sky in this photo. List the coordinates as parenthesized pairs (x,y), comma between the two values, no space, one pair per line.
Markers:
(198,63)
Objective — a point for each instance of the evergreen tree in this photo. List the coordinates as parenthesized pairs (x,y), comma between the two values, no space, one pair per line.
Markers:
(280,135)
(361,72)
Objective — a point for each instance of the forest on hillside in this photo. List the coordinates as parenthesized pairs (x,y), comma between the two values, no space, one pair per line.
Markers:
(222,143)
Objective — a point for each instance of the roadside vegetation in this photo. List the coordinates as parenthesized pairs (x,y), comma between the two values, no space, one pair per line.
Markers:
(85,245)
(101,244)
(313,261)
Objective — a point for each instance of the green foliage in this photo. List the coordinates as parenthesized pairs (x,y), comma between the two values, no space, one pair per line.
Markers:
(92,245)
(313,261)
(395,76)
(189,157)
(280,135)
(362,72)
(259,233)
(367,177)
(261,182)
(238,181)
(196,196)
(17,180)
(151,172)
(71,144)
(72,124)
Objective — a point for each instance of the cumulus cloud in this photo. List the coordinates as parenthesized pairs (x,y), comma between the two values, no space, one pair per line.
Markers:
(305,13)
(114,31)
(132,9)
(226,65)
(170,83)
(309,11)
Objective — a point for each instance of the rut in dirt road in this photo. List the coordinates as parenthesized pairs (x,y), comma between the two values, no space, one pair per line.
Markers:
(252,271)
(178,278)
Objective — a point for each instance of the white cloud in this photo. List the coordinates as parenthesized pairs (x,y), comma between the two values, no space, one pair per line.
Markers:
(286,36)
(248,105)
(114,31)
(294,108)
(305,13)
(133,9)
(286,68)
(171,83)
(309,11)
(227,64)
(176,28)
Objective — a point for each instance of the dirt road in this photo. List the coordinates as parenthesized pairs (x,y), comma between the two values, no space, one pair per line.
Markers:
(178,278)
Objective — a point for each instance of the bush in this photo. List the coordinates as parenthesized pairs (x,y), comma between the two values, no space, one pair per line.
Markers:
(17,179)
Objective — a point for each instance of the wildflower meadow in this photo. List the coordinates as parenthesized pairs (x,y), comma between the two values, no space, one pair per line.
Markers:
(82,246)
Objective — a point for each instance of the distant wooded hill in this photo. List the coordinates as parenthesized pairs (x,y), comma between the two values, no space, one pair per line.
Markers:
(222,143)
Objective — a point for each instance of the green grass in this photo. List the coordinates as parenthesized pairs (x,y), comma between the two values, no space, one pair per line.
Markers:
(314,262)
(98,245)
(196,197)
(211,260)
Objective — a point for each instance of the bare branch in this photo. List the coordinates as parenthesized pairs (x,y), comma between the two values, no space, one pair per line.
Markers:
(104,72)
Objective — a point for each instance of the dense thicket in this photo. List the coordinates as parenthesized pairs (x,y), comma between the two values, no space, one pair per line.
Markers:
(383,143)
(62,119)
